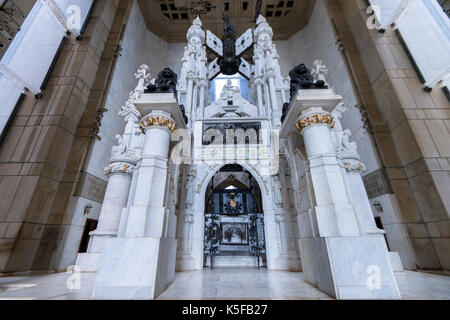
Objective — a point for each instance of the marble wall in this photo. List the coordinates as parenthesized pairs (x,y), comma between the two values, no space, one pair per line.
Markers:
(38,158)
(412,129)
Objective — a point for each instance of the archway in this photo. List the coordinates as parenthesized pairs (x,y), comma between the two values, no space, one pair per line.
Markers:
(234,228)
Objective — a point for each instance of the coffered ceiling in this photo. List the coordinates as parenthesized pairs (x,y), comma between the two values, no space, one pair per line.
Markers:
(168,20)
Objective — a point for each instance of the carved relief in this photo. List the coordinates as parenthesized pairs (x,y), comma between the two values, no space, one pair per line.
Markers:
(119,149)
(191,173)
(346,146)
(276,192)
(319,72)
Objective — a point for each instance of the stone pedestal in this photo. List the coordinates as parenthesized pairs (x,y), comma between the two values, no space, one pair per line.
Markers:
(338,256)
(140,263)
(120,172)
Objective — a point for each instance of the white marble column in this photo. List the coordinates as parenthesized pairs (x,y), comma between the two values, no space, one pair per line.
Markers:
(116,197)
(353,168)
(141,264)
(338,256)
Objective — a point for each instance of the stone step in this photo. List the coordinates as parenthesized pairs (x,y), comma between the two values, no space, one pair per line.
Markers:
(234,262)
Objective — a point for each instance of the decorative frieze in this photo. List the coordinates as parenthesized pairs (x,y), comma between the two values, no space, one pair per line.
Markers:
(319,118)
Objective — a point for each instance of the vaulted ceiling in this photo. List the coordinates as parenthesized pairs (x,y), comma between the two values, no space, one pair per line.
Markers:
(168,20)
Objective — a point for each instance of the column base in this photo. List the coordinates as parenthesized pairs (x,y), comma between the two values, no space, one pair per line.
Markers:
(88,262)
(135,268)
(286,263)
(186,263)
(349,267)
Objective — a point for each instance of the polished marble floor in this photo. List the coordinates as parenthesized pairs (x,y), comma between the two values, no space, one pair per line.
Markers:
(237,284)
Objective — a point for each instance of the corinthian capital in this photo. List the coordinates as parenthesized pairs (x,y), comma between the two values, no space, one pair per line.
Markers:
(159,119)
(319,118)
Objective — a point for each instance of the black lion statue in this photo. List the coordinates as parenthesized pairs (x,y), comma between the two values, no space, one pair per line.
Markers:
(301,78)
(165,83)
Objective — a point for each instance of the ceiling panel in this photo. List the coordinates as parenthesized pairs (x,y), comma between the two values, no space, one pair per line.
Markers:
(168,20)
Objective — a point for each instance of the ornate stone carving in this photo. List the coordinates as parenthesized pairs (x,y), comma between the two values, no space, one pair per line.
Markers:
(191,172)
(157,121)
(231,104)
(347,146)
(353,165)
(319,118)
(319,73)
(196,31)
(119,168)
(129,110)
(276,191)
(263,29)
(144,77)
(119,149)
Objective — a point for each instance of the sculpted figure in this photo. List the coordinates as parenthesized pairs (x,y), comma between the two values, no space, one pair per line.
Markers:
(319,73)
(347,146)
(120,148)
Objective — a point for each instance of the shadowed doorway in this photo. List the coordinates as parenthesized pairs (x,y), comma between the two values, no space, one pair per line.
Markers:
(234,221)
